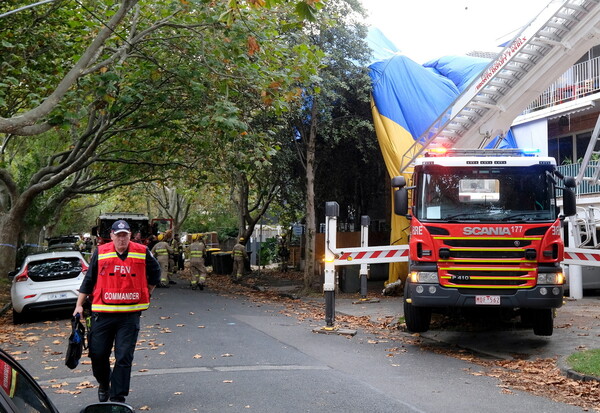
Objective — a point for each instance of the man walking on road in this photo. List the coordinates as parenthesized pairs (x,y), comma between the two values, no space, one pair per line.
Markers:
(239,256)
(119,281)
(197,268)
(162,250)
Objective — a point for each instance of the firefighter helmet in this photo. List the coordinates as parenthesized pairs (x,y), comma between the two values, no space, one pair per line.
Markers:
(160,237)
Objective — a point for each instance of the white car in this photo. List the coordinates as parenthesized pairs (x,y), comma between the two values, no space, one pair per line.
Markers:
(47,281)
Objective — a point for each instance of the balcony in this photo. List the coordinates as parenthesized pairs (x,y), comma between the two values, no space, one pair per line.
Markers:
(585,187)
(582,79)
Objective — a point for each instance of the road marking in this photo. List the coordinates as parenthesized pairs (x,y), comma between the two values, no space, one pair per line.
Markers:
(187,370)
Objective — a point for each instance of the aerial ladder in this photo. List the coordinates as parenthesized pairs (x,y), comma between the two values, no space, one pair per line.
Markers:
(542,51)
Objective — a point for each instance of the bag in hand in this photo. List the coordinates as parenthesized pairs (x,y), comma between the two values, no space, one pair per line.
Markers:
(76,343)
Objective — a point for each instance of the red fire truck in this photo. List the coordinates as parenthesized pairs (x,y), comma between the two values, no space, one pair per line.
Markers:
(485,231)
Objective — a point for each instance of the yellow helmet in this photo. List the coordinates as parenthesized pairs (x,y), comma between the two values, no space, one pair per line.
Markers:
(241,239)
(160,237)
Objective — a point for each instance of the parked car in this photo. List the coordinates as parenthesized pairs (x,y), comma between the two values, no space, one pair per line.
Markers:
(20,393)
(46,281)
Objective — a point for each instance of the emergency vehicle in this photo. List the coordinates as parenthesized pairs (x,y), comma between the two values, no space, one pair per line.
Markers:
(485,231)
(139,223)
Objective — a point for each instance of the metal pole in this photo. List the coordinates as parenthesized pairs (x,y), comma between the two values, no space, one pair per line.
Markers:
(364,242)
(575,282)
(332,210)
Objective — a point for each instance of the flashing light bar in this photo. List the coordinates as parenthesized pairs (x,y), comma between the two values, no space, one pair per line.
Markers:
(437,152)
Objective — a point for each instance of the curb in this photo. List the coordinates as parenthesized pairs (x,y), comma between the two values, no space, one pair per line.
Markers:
(5,309)
(572,374)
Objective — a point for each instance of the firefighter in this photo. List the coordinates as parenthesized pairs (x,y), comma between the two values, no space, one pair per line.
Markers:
(239,256)
(120,280)
(161,251)
(173,242)
(197,253)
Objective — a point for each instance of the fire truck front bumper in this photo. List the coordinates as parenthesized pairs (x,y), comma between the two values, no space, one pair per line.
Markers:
(433,295)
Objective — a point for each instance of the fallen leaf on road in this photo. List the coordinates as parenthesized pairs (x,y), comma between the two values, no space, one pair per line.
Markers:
(62,391)
(145,408)
(227,381)
(198,356)
(226,355)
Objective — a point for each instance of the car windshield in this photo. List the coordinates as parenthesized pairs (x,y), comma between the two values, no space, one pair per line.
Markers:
(54,268)
(501,194)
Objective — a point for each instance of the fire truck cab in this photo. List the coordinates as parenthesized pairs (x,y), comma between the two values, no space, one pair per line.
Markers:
(485,231)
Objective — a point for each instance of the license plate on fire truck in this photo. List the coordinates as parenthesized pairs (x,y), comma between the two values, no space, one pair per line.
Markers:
(487,299)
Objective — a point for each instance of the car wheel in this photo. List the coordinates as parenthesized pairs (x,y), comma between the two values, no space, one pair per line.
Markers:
(543,321)
(18,318)
(417,318)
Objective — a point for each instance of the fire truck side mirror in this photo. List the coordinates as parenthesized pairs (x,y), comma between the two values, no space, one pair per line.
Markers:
(400,195)
(401,201)
(569,202)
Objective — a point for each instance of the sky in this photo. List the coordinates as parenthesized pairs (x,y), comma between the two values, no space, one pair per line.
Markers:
(428,29)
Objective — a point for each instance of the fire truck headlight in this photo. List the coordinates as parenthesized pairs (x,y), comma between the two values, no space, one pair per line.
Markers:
(551,278)
(424,277)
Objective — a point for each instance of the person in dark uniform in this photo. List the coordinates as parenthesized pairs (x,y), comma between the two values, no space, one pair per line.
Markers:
(120,279)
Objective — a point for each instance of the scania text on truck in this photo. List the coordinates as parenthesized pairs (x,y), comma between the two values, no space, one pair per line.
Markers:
(485,231)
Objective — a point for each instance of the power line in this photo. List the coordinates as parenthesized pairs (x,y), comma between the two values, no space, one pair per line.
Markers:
(25,7)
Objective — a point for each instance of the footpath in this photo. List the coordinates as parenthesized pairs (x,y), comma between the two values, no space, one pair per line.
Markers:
(576,326)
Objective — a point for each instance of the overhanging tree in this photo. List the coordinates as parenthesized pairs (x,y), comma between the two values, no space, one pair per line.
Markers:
(125,101)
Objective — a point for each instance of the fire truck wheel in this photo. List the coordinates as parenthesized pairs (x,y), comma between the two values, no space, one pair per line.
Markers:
(543,321)
(417,318)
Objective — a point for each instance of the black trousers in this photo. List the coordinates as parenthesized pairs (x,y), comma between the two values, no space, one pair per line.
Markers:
(122,331)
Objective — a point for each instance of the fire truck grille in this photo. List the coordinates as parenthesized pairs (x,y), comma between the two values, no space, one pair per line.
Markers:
(515,254)
(487,243)
(488,278)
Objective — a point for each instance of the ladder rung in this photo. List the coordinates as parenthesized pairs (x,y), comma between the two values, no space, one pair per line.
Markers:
(557,25)
(522,59)
(567,16)
(507,76)
(531,52)
(575,7)
(549,35)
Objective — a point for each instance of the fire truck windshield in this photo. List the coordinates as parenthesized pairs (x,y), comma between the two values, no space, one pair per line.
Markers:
(484,194)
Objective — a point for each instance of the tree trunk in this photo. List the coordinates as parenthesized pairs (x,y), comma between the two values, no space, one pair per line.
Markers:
(10,227)
(311,228)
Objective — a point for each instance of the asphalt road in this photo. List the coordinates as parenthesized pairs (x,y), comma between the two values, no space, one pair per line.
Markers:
(203,352)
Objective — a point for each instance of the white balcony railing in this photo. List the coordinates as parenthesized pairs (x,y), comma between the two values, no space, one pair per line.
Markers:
(580,80)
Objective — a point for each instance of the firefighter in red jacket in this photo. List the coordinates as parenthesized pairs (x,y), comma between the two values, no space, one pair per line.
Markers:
(119,281)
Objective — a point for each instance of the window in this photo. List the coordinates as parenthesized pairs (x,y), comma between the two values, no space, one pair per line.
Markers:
(561,149)
(582,141)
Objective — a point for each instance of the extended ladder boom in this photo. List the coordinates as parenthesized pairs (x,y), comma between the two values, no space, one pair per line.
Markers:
(545,48)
